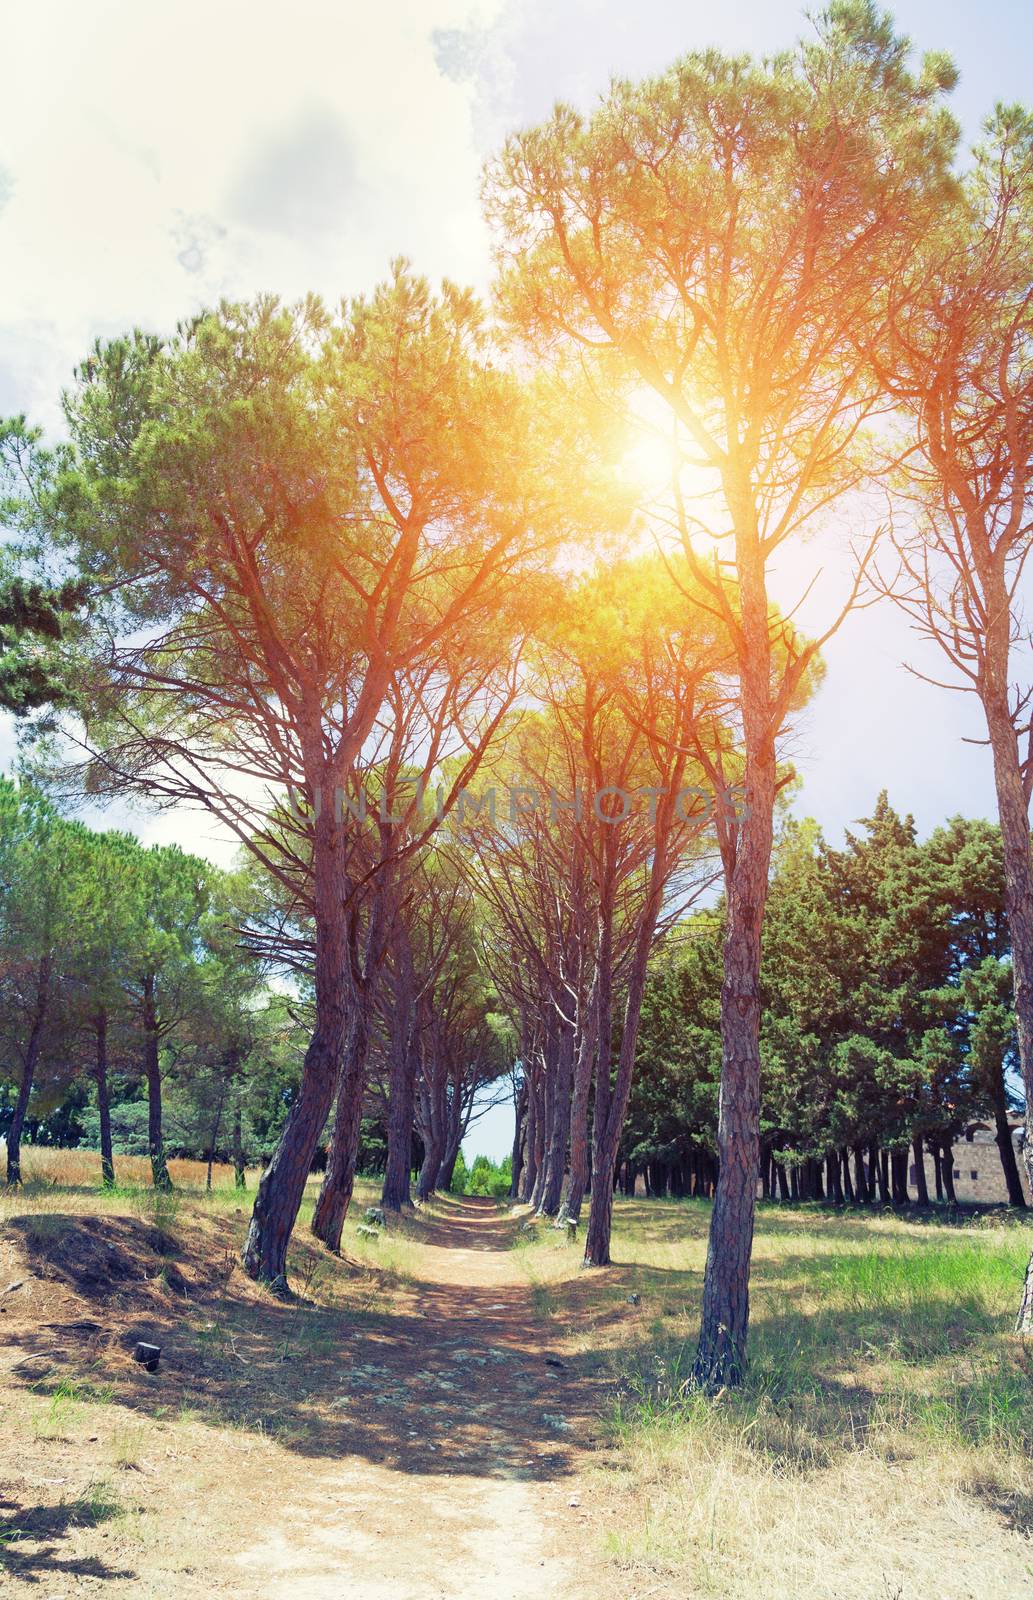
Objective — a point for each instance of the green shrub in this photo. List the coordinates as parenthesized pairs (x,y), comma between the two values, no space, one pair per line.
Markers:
(488,1177)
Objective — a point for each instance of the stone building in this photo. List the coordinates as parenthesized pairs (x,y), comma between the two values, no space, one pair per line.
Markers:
(978,1177)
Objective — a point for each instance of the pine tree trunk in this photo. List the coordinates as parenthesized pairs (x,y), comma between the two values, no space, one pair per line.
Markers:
(239,1175)
(600,1215)
(1013,813)
(556,1154)
(448,1165)
(434,1119)
(947,1169)
(584,1066)
(282,1185)
(460,1111)
(401,1086)
(540,1128)
(600,1223)
(529,1174)
(721,1353)
(152,1073)
(1005,1144)
(861,1176)
(848,1187)
(921,1183)
(548,1116)
(32,1054)
(611,1100)
(876,1181)
(898,1171)
(519,1115)
(335,1192)
(100,1078)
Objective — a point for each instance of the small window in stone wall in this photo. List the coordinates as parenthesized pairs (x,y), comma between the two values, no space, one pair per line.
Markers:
(975,1174)
(957,1172)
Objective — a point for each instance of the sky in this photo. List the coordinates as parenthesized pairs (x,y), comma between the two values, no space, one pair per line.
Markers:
(156,155)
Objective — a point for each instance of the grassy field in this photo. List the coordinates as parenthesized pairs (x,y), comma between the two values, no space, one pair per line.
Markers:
(884,1442)
(68,1182)
(883,1445)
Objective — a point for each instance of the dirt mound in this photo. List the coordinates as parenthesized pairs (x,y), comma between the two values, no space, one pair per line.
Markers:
(96,1256)
(77,1264)
(76,1288)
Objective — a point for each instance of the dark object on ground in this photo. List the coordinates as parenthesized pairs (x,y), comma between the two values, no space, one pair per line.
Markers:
(553,1361)
(633,1299)
(148,1355)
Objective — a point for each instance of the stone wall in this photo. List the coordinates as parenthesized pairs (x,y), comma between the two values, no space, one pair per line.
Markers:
(978,1177)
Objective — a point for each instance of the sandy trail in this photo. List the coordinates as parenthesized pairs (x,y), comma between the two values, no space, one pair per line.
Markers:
(469,1433)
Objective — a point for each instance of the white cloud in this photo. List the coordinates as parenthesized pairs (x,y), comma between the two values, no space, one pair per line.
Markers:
(157,155)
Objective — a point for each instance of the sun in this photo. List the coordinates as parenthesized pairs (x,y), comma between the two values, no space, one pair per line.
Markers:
(649,462)
(657,454)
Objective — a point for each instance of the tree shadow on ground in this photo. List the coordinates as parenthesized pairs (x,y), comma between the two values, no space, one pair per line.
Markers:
(1013,1506)
(652,1219)
(30,1541)
(449,1376)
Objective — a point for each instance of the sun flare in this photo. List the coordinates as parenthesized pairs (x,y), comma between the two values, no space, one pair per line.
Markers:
(649,461)
(658,453)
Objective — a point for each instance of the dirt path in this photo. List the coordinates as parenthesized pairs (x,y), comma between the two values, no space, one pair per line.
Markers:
(413,1428)
(469,1430)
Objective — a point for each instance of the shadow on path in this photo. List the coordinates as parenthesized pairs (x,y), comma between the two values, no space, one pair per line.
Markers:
(458,1374)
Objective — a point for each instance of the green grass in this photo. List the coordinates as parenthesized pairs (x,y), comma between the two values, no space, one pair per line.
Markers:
(883,1440)
(882,1444)
(66,1400)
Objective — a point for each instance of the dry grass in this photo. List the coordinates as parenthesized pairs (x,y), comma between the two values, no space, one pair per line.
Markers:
(883,1443)
(74,1169)
(117,1479)
(69,1182)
